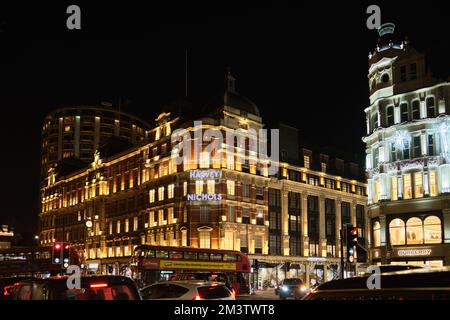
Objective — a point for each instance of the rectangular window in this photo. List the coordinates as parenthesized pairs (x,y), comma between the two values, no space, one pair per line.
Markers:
(407,187)
(205,239)
(306,161)
(246,190)
(393,152)
(211,186)
(246,215)
(230,187)
(185,188)
(403,74)
(406,147)
(198,187)
(204,214)
(170,191)
(433,183)
(244,239)
(152,196)
(416,150)
(160,193)
(127,225)
(418,185)
(135,223)
(231,215)
(160,217)
(413,71)
(258,242)
(118,226)
(394,194)
(170,215)
(324,167)
(229,240)
(204,159)
(404,112)
(431,145)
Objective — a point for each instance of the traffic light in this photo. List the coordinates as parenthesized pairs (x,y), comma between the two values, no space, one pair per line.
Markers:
(351,242)
(56,253)
(66,255)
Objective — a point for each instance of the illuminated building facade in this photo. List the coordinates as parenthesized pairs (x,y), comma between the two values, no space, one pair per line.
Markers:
(408,159)
(80,130)
(143,196)
(6,237)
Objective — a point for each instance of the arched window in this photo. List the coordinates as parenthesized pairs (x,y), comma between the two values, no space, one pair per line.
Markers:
(385,78)
(430,108)
(432,230)
(390,116)
(414,231)
(404,112)
(376,234)
(397,232)
(415,110)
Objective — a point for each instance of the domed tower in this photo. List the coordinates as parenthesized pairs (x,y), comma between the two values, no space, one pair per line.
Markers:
(407,156)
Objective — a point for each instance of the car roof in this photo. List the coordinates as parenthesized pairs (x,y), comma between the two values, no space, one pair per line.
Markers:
(414,278)
(190,283)
(84,280)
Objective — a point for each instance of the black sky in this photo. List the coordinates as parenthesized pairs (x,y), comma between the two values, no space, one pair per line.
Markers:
(304,65)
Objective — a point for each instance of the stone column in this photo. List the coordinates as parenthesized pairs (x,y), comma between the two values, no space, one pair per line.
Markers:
(285,222)
(322,228)
(305,242)
(338,227)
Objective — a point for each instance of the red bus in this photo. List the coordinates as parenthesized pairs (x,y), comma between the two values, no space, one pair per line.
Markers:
(35,261)
(154,263)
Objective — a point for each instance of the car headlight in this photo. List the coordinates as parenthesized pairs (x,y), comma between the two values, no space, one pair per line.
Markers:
(284,288)
(303,288)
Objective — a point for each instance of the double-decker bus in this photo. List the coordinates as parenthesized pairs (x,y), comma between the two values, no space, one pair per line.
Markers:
(37,261)
(155,263)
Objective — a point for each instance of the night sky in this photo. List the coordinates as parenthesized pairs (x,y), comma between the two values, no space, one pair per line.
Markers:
(305,66)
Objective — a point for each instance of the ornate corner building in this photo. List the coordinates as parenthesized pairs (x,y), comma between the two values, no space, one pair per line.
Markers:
(408,159)
(143,196)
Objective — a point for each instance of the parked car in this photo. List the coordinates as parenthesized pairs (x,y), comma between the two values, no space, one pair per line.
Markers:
(414,284)
(206,276)
(91,288)
(7,286)
(292,288)
(187,290)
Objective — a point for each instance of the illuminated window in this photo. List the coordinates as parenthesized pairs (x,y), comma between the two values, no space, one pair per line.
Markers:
(204,159)
(324,167)
(205,239)
(110,227)
(414,231)
(407,188)
(160,217)
(377,191)
(230,187)
(157,134)
(198,187)
(152,196)
(170,191)
(170,215)
(135,223)
(397,232)
(127,225)
(229,240)
(306,161)
(376,234)
(433,183)
(118,226)
(231,214)
(211,186)
(185,187)
(418,185)
(184,238)
(394,193)
(160,193)
(432,229)
(230,160)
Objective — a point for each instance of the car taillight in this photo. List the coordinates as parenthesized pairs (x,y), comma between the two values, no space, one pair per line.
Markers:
(6,290)
(233,293)
(197,297)
(99,285)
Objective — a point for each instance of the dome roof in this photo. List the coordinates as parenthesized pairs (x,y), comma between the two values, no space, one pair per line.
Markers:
(235,100)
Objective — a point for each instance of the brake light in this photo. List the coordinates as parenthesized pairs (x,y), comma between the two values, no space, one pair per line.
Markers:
(197,297)
(99,285)
(6,291)
(233,293)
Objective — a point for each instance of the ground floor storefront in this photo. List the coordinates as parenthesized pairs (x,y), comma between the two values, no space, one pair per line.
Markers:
(269,271)
(435,255)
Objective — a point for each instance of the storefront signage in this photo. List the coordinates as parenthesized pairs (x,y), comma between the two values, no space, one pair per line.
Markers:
(167,264)
(414,252)
(205,174)
(204,197)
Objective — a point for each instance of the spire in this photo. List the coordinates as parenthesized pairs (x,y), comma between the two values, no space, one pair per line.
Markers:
(230,82)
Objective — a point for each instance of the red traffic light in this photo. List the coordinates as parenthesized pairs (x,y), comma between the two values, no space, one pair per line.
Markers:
(57,246)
